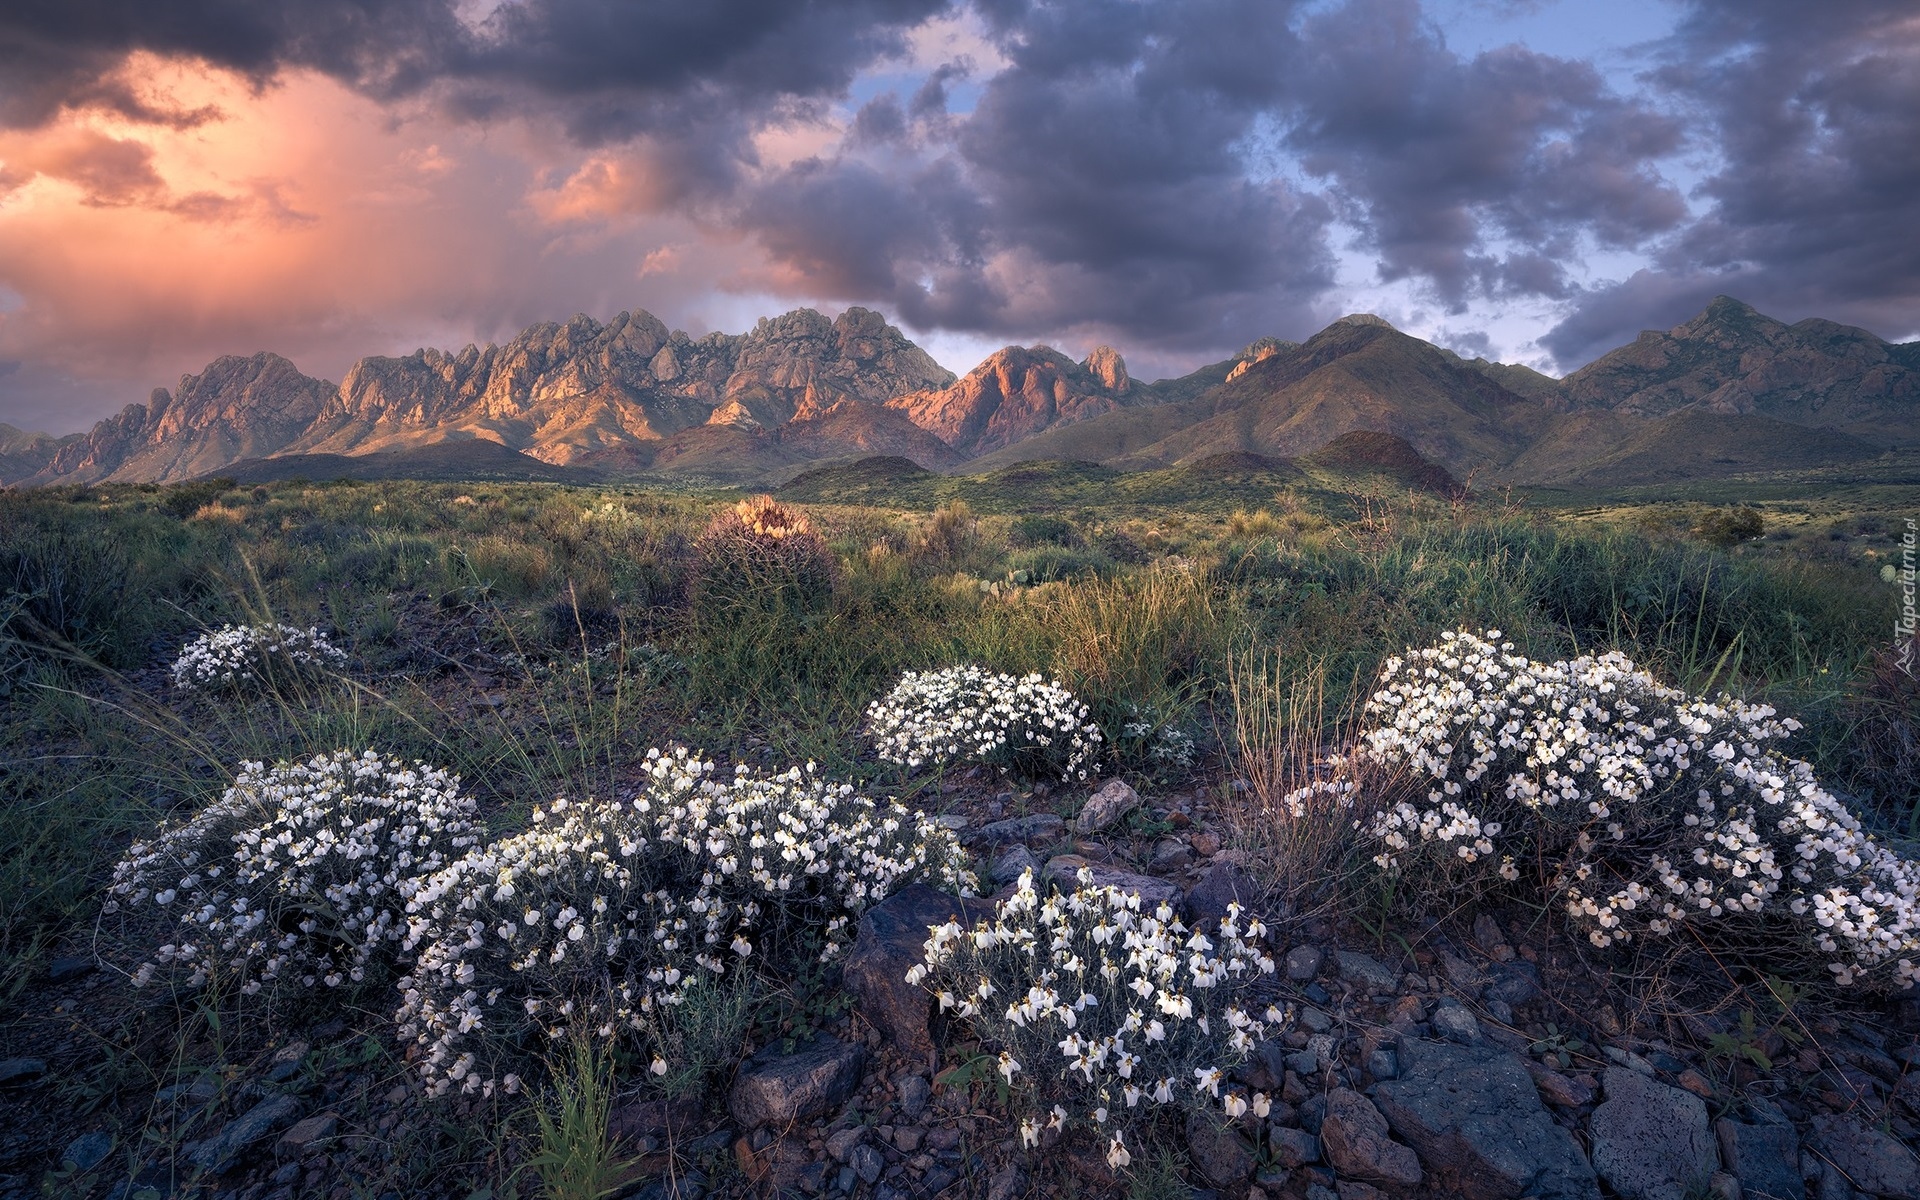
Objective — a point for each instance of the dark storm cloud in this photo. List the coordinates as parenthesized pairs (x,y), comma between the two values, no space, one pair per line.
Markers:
(1814,113)
(1167,173)
(1098,184)
(612,68)
(1434,156)
(70,53)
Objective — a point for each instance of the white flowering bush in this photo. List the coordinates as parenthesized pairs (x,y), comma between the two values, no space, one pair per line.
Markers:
(1638,807)
(236,656)
(298,876)
(608,916)
(1147,737)
(1029,725)
(1107,1013)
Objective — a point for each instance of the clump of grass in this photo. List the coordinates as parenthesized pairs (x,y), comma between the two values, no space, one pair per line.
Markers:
(951,536)
(577,1158)
(1152,640)
(1295,797)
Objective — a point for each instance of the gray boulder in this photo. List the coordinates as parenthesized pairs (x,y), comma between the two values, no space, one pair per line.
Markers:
(1764,1158)
(892,940)
(1354,1136)
(1115,799)
(1063,871)
(782,1090)
(1874,1162)
(1040,827)
(1476,1120)
(1651,1141)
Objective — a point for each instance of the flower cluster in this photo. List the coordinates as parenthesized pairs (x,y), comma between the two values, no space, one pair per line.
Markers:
(299,873)
(1105,1010)
(606,913)
(1030,725)
(1146,736)
(234,656)
(1644,807)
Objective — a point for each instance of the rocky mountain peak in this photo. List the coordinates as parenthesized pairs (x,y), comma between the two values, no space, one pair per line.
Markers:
(1734,360)
(1106,365)
(238,407)
(1259,351)
(1729,324)
(1015,393)
(1363,320)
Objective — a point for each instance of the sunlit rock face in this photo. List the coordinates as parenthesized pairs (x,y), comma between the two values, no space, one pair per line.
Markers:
(1018,392)
(563,393)
(237,408)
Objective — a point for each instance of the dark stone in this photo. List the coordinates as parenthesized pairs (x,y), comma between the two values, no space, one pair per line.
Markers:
(1366,972)
(1559,1089)
(18,1072)
(1514,983)
(1063,871)
(659,1119)
(1651,1141)
(780,1090)
(812,1178)
(690,1186)
(286,1062)
(1217,1152)
(866,1162)
(1476,1120)
(1303,963)
(1224,883)
(1292,1147)
(1873,1162)
(1764,1158)
(224,1150)
(890,942)
(1011,863)
(66,970)
(88,1150)
(913,1092)
(305,1135)
(1007,1183)
(1354,1137)
(1044,828)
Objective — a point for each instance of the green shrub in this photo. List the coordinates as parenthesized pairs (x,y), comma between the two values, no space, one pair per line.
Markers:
(184,499)
(1043,529)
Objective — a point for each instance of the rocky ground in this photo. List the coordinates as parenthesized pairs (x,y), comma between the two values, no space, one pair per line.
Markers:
(1482,1059)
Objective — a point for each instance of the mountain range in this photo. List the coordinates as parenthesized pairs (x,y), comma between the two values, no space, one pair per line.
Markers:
(1729,391)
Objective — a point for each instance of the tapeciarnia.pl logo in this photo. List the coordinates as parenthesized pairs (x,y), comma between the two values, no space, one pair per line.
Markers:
(1904,628)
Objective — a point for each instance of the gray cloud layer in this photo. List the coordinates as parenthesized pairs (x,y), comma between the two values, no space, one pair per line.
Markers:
(1813,112)
(1172,174)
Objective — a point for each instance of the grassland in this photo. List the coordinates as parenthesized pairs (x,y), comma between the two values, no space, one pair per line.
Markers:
(539,638)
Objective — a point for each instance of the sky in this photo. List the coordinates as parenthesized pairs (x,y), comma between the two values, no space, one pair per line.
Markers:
(1535,181)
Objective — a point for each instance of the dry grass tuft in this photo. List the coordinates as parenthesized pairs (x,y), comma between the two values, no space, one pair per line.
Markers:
(1300,794)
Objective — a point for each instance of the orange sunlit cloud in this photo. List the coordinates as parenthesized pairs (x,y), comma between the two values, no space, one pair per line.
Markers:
(307,220)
